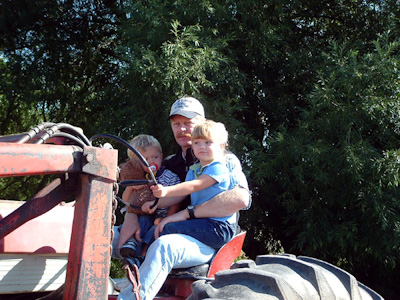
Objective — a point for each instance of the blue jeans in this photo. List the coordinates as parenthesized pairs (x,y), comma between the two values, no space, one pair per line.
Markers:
(208,231)
(145,222)
(166,253)
(149,236)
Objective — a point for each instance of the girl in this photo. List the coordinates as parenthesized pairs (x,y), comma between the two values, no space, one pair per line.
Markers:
(204,180)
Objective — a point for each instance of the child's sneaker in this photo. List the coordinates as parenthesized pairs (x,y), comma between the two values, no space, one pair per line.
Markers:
(130,261)
(129,248)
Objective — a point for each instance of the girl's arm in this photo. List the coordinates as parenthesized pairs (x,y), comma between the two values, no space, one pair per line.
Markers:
(173,209)
(182,215)
(163,202)
(183,189)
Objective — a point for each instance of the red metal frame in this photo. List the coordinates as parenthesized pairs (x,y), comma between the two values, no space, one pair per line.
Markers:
(94,172)
(90,175)
(47,234)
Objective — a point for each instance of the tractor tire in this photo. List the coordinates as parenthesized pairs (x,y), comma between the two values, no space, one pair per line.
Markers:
(282,277)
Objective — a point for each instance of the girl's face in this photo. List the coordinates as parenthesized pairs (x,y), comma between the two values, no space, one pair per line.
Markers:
(153,157)
(206,150)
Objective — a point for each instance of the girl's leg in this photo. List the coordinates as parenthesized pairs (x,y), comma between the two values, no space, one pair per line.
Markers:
(210,232)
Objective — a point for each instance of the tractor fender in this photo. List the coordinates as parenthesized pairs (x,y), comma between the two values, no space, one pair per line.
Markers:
(282,276)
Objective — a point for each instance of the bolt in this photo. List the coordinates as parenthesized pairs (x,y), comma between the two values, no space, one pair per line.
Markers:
(89,157)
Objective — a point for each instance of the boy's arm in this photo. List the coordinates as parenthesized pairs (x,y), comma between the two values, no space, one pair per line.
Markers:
(126,194)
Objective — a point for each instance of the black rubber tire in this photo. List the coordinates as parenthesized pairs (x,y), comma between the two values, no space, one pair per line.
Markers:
(285,277)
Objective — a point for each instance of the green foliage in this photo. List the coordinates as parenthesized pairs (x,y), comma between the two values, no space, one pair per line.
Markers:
(60,60)
(333,180)
(309,92)
(56,65)
(168,59)
(116,270)
(242,256)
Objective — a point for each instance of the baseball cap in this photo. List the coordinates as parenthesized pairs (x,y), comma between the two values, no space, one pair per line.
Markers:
(188,107)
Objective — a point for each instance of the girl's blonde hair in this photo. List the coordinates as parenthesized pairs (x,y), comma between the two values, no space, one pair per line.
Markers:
(141,143)
(208,129)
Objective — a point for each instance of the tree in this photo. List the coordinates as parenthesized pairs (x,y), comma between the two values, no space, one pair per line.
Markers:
(60,56)
(308,96)
(167,59)
(57,65)
(332,182)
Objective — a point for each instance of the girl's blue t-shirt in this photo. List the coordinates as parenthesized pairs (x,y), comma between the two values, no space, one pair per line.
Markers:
(220,173)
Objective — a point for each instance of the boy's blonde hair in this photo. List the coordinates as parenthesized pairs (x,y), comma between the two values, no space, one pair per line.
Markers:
(141,143)
(211,130)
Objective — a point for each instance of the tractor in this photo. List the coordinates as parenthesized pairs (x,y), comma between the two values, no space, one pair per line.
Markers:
(56,245)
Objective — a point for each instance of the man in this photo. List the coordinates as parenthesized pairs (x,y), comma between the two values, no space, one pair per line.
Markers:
(178,250)
(185,114)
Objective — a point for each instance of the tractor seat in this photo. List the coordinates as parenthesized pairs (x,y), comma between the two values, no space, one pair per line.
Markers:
(222,260)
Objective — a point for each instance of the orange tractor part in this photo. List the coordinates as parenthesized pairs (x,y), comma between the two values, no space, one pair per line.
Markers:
(88,175)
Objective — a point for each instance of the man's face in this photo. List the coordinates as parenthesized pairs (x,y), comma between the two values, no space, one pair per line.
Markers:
(182,128)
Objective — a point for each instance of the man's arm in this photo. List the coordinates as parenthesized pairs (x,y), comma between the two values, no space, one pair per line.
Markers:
(231,201)
(224,204)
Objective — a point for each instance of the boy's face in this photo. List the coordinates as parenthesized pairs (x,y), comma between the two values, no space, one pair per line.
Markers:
(182,128)
(153,157)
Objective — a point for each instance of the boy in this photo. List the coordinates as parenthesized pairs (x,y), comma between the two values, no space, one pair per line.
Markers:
(151,150)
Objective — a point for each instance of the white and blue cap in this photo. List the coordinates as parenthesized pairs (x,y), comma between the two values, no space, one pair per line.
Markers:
(188,107)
